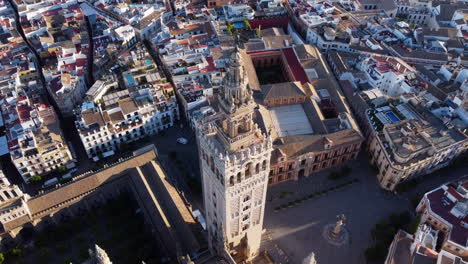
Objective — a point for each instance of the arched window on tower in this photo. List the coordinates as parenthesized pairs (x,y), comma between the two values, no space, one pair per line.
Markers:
(257,168)
(248,170)
(264,165)
(212,164)
(239,177)
(231,181)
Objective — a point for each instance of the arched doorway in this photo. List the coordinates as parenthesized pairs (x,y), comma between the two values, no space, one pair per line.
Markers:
(300,174)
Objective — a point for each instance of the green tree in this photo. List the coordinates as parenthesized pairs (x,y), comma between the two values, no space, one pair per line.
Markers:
(247,23)
(413,226)
(44,253)
(17,252)
(345,171)
(334,175)
(61,247)
(230,28)
(36,178)
(376,253)
(2,258)
(62,169)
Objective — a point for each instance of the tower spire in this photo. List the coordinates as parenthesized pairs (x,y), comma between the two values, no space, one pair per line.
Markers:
(232,227)
(235,92)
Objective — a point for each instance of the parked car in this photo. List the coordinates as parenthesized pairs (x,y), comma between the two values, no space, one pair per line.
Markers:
(182,140)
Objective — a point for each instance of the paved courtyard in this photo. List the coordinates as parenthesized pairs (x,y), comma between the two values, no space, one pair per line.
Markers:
(292,233)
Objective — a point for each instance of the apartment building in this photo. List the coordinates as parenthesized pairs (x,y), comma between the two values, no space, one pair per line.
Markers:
(13,207)
(391,75)
(419,248)
(413,147)
(239,12)
(39,147)
(124,117)
(446,209)
(60,36)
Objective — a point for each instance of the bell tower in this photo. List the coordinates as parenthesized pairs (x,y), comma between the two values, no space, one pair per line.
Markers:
(234,162)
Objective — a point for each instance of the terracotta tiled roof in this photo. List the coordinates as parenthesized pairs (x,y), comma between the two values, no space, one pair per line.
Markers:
(297,145)
(281,90)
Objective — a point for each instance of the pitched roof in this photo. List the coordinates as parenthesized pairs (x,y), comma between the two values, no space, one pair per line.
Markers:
(280,90)
(297,145)
(306,52)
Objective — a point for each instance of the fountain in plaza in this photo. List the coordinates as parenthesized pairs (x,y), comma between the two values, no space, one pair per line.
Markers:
(335,233)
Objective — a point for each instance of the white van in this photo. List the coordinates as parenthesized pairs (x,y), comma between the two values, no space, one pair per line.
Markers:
(198,215)
(50,183)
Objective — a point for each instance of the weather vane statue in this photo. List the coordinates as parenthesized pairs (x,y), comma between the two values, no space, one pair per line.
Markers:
(339,224)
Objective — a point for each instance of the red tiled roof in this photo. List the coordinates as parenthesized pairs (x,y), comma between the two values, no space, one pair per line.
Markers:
(454,193)
(52,12)
(465,34)
(193,39)
(68,67)
(13,144)
(211,66)
(80,62)
(16,122)
(199,46)
(74,7)
(24,112)
(295,66)
(292,61)
(270,22)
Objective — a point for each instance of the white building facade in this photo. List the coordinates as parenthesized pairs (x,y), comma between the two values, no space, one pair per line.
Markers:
(145,113)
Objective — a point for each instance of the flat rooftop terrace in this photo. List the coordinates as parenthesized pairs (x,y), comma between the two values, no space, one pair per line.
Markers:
(290,120)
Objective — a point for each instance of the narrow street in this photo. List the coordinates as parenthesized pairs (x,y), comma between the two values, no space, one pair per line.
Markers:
(90,75)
